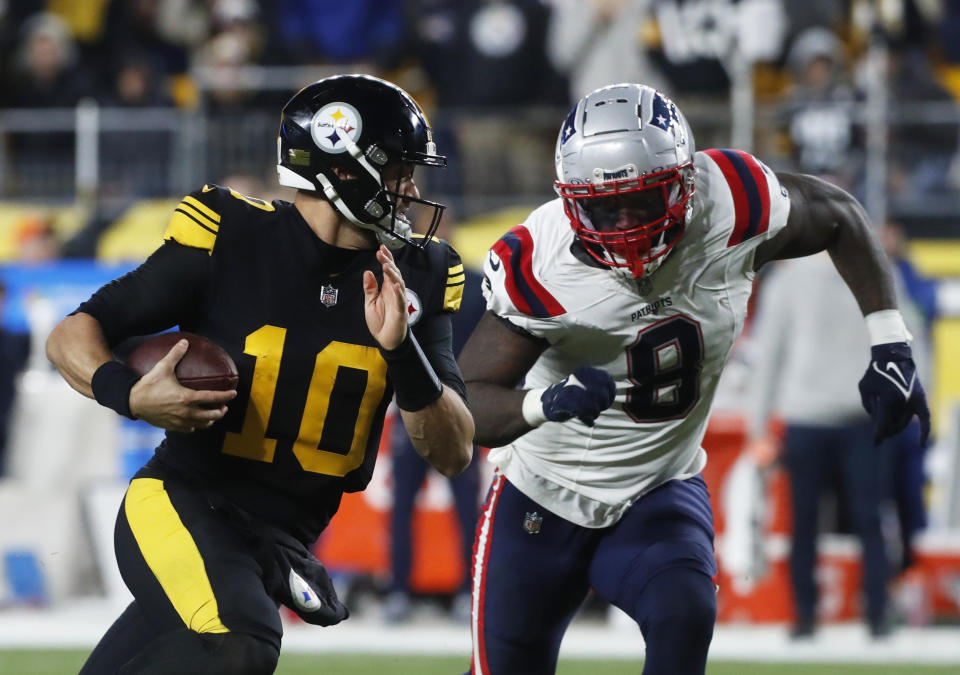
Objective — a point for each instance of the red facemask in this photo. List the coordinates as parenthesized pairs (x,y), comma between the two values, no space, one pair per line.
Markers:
(632,222)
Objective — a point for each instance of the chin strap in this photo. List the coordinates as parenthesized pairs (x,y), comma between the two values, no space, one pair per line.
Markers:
(391,229)
(392,239)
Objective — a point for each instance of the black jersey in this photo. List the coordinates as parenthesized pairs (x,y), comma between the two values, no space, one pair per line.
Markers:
(289,309)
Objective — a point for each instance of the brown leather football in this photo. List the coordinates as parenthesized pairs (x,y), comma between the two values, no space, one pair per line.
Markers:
(206,365)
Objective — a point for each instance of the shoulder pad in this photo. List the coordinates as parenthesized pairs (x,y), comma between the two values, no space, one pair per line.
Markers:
(750,184)
(441,255)
(196,219)
(514,253)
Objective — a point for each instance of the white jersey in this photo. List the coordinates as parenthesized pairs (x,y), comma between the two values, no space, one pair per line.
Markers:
(664,339)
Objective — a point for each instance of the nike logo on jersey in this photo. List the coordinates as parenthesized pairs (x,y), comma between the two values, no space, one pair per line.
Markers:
(494,261)
(900,381)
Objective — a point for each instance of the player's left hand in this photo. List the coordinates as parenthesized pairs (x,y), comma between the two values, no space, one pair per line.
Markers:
(385,307)
(892,393)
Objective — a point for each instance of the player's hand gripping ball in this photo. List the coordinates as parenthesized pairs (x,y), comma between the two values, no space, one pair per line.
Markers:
(206,365)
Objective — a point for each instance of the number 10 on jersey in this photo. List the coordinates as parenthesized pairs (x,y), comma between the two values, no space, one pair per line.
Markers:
(266,344)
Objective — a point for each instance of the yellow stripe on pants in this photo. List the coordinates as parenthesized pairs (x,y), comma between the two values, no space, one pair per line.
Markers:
(172,555)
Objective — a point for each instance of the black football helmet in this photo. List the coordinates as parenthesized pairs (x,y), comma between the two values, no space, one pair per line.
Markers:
(359,124)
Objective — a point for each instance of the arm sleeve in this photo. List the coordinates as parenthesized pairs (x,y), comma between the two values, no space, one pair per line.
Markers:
(165,291)
(435,335)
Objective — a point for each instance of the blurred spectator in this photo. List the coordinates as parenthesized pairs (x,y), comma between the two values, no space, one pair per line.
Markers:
(323,31)
(138,25)
(918,303)
(44,74)
(135,163)
(921,149)
(136,83)
(410,469)
(14,352)
(220,63)
(37,241)
(820,109)
(45,71)
(501,44)
(812,387)
(600,42)
(13,17)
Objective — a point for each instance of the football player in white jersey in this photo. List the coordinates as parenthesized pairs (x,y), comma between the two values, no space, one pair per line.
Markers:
(611,313)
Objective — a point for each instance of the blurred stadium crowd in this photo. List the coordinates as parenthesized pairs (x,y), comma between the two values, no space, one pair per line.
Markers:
(111,110)
(799,83)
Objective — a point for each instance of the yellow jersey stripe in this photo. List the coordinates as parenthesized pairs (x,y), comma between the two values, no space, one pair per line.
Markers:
(456,269)
(452,296)
(172,555)
(202,208)
(185,230)
(201,219)
(459,279)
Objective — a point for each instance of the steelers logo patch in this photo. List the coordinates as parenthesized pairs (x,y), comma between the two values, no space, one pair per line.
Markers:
(414,307)
(331,123)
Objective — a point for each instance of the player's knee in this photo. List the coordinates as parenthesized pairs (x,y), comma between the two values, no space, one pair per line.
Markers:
(681,603)
(243,654)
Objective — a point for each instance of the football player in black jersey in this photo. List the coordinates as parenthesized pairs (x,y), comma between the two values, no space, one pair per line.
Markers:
(328,306)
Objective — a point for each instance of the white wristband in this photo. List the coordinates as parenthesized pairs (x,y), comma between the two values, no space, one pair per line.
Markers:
(533,407)
(886,326)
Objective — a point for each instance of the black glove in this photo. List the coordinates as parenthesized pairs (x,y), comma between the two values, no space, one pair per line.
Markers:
(306,587)
(584,395)
(892,393)
(291,573)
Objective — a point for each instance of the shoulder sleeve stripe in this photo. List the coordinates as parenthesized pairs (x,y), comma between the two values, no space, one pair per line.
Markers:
(202,208)
(456,279)
(452,295)
(184,229)
(515,249)
(751,195)
(198,217)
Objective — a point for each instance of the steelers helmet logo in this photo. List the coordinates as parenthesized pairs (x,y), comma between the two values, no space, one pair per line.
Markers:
(332,123)
(414,307)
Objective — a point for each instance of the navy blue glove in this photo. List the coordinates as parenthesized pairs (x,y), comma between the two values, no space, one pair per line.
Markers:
(892,393)
(584,395)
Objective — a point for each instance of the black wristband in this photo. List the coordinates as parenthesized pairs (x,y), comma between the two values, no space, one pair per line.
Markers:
(414,380)
(111,385)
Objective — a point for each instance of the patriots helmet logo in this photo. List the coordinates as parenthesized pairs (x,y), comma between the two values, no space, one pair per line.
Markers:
(333,124)
(664,113)
(569,127)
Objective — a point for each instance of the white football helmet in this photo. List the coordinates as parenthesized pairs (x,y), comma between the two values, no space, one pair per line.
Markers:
(625,173)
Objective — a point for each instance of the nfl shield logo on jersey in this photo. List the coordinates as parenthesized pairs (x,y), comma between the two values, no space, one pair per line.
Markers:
(328,295)
(532,522)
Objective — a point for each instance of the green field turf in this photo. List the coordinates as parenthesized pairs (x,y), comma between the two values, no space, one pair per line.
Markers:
(65,662)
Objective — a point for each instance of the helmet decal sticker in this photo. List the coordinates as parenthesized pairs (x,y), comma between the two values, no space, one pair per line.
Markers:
(332,120)
(664,113)
(569,126)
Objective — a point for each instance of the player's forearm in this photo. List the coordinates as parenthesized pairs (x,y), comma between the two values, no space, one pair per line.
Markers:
(859,258)
(497,413)
(442,433)
(76,347)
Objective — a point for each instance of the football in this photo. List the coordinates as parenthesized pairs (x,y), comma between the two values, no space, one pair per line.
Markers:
(206,365)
